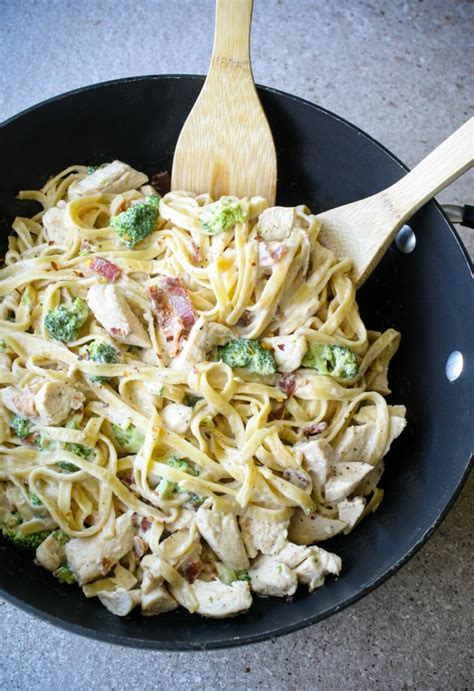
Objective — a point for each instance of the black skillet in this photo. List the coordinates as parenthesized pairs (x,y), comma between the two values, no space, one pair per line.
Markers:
(323,161)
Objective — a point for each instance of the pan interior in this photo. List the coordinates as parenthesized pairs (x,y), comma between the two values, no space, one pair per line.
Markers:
(426,294)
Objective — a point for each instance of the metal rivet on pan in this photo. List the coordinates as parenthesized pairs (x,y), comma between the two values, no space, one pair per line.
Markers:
(405,240)
(454,365)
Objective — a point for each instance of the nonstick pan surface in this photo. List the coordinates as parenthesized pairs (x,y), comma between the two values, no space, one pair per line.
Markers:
(323,161)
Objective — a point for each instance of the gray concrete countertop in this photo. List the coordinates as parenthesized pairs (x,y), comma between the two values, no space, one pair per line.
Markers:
(403,72)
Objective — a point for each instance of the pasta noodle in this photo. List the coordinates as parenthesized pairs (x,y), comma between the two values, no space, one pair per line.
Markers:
(175,477)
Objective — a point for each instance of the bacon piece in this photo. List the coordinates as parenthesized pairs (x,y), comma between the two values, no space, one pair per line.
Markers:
(314,428)
(179,298)
(106,269)
(145,524)
(191,570)
(276,250)
(139,546)
(173,310)
(161,306)
(287,383)
(244,319)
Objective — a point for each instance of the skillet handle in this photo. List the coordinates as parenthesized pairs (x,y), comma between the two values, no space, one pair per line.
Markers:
(447,162)
(464,215)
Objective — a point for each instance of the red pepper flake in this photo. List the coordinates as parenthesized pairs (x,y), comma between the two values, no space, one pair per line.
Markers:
(281,346)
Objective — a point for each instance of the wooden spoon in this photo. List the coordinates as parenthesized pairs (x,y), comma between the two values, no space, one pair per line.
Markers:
(226,146)
(364,229)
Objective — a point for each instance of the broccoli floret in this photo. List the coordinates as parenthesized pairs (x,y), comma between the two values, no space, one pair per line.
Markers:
(103,353)
(228,576)
(21,426)
(130,439)
(68,467)
(31,541)
(222,215)
(180,464)
(34,499)
(166,488)
(61,536)
(137,222)
(243,352)
(196,500)
(65,575)
(80,450)
(334,360)
(65,322)
(9,519)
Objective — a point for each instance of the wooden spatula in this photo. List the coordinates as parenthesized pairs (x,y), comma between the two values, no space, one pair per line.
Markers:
(363,230)
(226,146)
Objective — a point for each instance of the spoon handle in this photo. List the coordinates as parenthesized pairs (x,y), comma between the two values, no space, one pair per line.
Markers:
(232,34)
(443,165)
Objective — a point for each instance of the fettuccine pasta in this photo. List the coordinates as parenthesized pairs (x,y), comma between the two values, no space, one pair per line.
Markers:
(191,403)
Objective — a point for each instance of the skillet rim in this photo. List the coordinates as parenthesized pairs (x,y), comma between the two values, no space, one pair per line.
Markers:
(182,646)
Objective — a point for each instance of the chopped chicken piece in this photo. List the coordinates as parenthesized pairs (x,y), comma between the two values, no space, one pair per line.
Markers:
(140,396)
(298,477)
(177,417)
(157,601)
(120,602)
(288,351)
(371,480)
(313,570)
(276,223)
(19,402)
(305,530)
(91,557)
(51,553)
(319,457)
(270,576)
(114,178)
(292,554)
(350,511)
(221,532)
(263,536)
(112,310)
(218,600)
(55,227)
(55,400)
(152,577)
(203,337)
(345,479)
(358,442)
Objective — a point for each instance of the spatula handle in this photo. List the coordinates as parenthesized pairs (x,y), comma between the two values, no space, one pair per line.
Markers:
(232,32)
(443,165)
